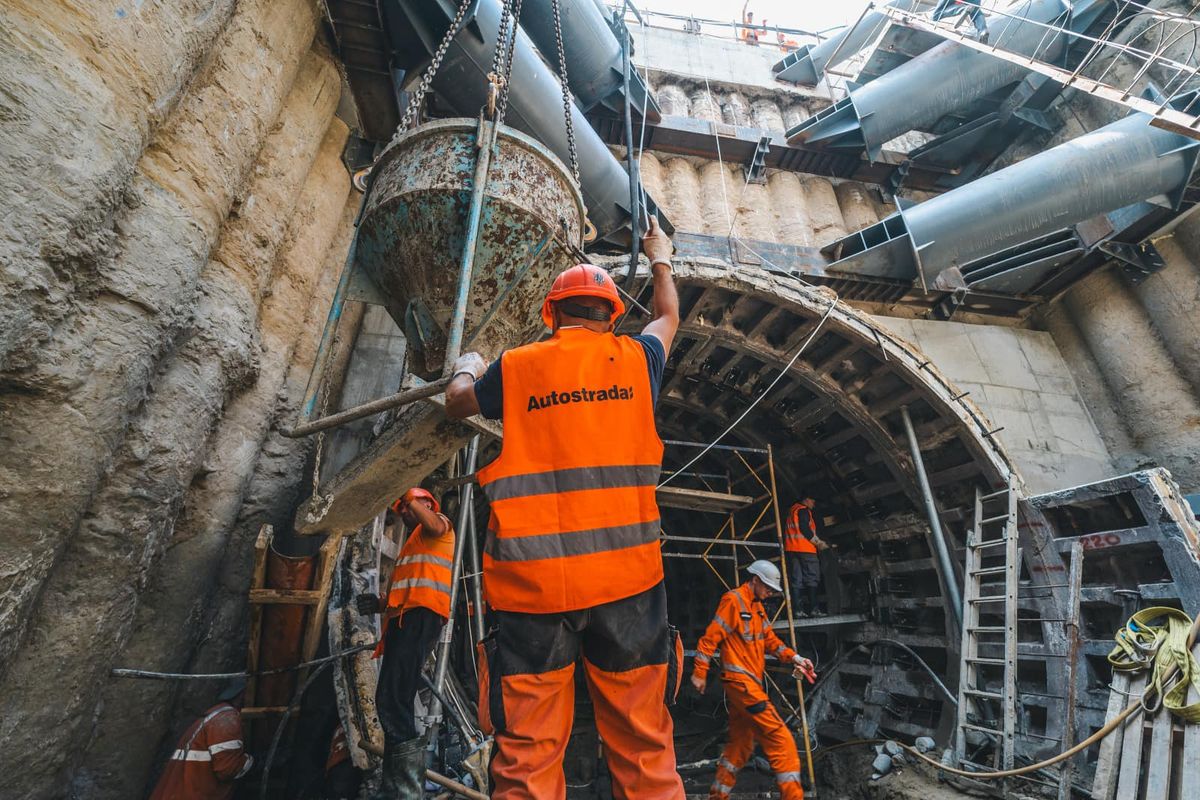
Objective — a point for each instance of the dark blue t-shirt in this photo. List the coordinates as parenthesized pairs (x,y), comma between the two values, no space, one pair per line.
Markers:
(489,390)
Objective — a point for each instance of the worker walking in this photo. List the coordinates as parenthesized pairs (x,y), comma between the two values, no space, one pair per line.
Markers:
(418,605)
(800,545)
(743,634)
(572,563)
(211,754)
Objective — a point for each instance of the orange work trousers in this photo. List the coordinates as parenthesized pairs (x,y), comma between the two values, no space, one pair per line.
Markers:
(752,719)
(631,661)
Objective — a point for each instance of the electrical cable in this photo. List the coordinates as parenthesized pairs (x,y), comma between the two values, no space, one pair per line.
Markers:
(122,672)
(294,704)
(833,304)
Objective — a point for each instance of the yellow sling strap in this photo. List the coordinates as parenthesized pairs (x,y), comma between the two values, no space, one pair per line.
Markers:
(1157,637)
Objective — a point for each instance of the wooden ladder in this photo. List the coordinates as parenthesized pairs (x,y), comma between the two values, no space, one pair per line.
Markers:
(316,598)
(992,537)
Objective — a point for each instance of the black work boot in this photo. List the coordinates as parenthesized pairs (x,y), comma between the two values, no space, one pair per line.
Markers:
(403,771)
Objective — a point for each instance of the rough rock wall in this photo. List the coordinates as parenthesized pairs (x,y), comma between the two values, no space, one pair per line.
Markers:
(179,214)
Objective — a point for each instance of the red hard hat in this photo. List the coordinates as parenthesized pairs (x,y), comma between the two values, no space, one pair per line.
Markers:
(413,494)
(582,280)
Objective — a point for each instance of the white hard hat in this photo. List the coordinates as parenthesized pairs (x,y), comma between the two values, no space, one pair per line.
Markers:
(767,572)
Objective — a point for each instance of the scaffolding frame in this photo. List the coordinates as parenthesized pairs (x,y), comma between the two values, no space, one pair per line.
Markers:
(764,476)
(1173,110)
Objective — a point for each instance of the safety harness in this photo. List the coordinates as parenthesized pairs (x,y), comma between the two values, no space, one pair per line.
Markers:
(1156,638)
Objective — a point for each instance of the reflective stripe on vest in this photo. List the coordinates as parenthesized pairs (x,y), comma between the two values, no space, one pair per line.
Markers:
(574,519)
(423,574)
(795,539)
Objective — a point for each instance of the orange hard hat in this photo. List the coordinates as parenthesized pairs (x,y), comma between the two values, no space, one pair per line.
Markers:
(582,280)
(415,493)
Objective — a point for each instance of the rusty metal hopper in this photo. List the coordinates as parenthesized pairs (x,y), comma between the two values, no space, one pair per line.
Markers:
(414,226)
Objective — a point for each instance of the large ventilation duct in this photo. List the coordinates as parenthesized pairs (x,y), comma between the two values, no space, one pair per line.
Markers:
(946,78)
(807,65)
(535,96)
(1003,231)
(595,66)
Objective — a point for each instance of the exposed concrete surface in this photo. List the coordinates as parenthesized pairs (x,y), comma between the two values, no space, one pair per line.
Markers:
(85,87)
(88,603)
(66,415)
(1019,379)
(688,55)
(1162,413)
(119,759)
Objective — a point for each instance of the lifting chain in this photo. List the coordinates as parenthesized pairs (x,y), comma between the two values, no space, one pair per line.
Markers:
(418,97)
(566,91)
(512,8)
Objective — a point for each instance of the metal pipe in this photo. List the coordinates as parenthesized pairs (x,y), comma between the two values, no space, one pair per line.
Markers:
(331,321)
(407,397)
(472,545)
(485,141)
(443,654)
(807,65)
(631,165)
(918,93)
(791,619)
(949,577)
(594,57)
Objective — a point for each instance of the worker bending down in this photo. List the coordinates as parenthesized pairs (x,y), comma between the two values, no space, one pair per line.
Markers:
(210,755)
(742,632)
(418,605)
(800,545)
(572,563)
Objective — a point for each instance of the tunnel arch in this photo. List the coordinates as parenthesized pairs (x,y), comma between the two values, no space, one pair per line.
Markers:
(834,423)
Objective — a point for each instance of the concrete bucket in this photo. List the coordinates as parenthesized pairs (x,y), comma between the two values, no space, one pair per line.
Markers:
(414,229)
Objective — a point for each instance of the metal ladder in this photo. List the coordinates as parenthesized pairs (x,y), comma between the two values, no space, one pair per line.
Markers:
(993,536)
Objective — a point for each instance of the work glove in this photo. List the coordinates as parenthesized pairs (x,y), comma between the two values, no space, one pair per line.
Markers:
(472,364)
(367,603)
(804,667)
(656,244)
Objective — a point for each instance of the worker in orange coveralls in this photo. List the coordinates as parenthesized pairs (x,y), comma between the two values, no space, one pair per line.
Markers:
(210,755)
(418,605)
(742,632)
(572,565)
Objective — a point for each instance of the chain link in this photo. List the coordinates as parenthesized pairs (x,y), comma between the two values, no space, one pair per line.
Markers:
(506,81)
(566,92)
(418,97)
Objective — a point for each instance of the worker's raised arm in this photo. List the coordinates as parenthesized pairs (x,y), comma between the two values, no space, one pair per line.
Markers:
(657,247)
(432,523)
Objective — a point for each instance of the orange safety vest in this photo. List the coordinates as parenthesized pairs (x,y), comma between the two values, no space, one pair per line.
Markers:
(574,519)
(742,632)
(795,540)
(422,575)
(207,760)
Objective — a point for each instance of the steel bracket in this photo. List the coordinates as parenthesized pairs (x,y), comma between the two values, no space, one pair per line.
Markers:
(1137,261)
(756,169)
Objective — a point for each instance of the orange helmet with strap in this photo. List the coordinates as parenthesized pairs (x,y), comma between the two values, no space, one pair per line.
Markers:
(582,280)
(415,493)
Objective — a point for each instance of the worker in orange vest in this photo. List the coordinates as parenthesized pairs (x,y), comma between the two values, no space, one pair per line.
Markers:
(210,756)
(742,632)
(418,605)
(750,34)
(800,545)
(572,562)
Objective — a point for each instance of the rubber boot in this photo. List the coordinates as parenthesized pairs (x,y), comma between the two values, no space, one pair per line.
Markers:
(403,771)
(812,601)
